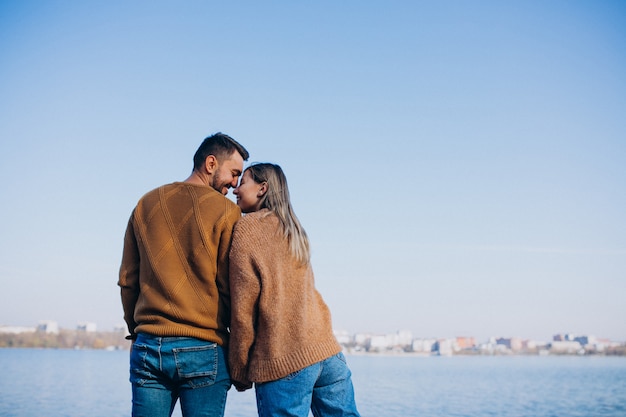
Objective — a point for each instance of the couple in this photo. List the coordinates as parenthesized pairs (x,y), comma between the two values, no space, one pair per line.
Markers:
(193,268)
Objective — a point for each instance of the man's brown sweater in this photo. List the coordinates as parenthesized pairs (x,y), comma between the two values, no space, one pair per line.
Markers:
(174,272)
(280,323)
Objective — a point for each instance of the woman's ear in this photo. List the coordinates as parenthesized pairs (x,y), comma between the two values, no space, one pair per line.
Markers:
(262,190)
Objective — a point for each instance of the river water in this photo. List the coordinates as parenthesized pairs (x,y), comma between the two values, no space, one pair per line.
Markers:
(73,383)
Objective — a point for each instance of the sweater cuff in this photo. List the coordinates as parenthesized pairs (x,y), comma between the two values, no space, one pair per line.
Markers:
(239,375)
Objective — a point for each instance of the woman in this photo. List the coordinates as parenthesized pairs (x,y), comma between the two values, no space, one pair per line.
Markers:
(281,331)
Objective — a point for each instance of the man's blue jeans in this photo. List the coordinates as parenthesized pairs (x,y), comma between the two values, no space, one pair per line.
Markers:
(165,369)
(324,387)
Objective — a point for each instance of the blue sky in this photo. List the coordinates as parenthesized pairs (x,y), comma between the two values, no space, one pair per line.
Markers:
(459,166)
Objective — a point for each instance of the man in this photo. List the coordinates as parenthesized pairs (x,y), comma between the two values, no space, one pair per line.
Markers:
(174,286)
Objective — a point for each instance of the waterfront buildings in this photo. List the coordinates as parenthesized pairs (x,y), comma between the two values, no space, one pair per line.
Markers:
(400,342)
(404,342)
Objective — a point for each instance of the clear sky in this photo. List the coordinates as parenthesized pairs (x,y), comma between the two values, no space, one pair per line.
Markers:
(460,166)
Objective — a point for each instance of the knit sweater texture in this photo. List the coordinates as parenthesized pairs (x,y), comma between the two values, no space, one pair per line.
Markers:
(280,323)
(174,271)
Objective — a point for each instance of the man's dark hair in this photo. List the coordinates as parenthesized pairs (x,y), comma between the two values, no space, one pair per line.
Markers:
(221,146)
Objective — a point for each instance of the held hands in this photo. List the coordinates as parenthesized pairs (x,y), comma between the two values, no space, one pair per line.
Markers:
(242,386)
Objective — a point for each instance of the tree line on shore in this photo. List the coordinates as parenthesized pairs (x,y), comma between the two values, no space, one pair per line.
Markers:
(65,339)
(80,339)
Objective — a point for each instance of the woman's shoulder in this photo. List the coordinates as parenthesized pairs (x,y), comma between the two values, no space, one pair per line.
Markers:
(261,216)
(254,233)
(257,220)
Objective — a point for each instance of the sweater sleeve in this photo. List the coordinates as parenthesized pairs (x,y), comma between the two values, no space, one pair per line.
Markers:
(245,289)
(129,276)
(222,277)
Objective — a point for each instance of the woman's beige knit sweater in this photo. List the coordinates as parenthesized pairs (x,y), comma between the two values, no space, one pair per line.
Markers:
(279,321)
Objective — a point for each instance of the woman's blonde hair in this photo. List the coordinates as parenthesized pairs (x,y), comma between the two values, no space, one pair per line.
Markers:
(277,200)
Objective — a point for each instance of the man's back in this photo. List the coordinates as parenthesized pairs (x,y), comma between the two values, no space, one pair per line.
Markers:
(176,251)
(174,286)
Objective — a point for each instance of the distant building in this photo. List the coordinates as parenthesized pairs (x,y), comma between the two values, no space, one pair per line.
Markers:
(533,345)
(403,339)
(16,329)
(514,343)
(87,327)
(444,347)
(495,346)
(600,345)
(343,338)
(565,346)
(48,326)
(361,339)
(463,342)
(423,345)
(589,343)
(378,343)
(563,337)
(586,340)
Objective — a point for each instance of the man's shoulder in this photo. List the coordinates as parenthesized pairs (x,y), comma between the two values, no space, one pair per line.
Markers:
(160,187)
(204,195)
(147,196)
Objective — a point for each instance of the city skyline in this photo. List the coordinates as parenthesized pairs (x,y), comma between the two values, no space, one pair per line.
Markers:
(459,167)
(52,326)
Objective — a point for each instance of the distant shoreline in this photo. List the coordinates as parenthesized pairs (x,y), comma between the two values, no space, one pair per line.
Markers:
(116,340)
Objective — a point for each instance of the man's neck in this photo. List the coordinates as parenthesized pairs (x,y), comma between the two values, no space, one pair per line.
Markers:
(198,178)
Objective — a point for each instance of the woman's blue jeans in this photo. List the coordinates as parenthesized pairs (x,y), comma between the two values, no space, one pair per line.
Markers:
(324,387)
(165,369)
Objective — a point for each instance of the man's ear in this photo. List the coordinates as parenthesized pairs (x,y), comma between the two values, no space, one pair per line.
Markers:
(210,164)
(262,190)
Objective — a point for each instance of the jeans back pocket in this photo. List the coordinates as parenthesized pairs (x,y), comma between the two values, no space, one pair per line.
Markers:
(197,364)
